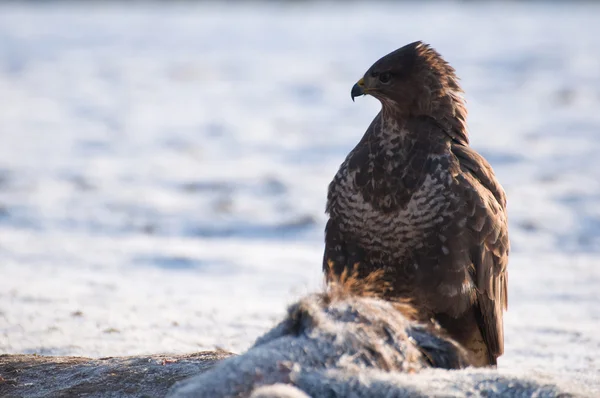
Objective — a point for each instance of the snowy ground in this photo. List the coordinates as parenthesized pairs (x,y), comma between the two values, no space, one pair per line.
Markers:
(163,169)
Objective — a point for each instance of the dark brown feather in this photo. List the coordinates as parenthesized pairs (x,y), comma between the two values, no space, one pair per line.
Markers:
(414,200)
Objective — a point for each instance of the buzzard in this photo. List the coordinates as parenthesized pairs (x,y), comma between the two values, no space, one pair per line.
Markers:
(415,200)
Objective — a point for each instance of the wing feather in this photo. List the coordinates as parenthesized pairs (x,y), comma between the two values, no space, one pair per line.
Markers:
(487,220)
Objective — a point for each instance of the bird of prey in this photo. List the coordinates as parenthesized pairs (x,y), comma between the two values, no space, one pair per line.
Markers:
(414,199)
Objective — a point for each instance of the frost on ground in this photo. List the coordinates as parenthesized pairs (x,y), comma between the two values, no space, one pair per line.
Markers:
(342,345)
(163,169)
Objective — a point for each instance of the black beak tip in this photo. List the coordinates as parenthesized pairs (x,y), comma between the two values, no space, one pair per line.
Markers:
(357,91)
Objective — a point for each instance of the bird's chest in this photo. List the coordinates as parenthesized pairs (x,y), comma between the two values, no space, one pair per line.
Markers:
(383,213)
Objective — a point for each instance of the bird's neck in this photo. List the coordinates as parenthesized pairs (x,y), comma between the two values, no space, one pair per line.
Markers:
(392,128)
(391,139)
(448,110)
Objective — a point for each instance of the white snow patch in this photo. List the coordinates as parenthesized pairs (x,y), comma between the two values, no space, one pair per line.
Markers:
(163,169)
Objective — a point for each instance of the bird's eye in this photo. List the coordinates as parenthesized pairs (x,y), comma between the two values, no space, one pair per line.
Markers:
(385,77)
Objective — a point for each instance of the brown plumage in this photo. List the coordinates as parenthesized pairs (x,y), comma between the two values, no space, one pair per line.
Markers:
(413,199)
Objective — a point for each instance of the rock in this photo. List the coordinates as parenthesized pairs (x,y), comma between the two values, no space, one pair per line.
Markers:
(141,376)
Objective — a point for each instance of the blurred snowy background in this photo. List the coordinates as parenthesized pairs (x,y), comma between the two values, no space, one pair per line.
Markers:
(163,168)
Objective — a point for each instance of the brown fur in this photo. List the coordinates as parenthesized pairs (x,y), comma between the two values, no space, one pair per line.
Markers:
(345,331)
(350,283)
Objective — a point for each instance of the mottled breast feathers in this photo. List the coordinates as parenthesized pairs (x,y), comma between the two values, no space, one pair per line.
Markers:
(413,200)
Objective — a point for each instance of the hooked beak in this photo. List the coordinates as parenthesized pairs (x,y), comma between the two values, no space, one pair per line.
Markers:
(358,89)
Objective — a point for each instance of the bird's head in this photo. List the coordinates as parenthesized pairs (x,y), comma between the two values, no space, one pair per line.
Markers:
(413,80)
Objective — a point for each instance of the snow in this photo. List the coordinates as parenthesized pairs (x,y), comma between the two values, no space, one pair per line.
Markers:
(163,168)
